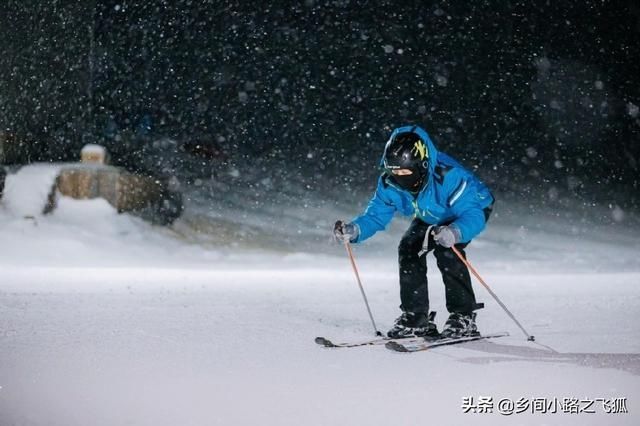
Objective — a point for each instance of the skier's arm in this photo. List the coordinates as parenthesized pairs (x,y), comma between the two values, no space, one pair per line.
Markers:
(465,203)
(376,216)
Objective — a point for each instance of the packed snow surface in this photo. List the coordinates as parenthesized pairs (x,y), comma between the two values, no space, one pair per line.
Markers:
(107,320)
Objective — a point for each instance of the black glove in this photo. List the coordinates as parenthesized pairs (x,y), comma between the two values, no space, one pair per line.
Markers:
(343,232)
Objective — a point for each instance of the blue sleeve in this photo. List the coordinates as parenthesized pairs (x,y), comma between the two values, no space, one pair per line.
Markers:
(466,201)
(376,216)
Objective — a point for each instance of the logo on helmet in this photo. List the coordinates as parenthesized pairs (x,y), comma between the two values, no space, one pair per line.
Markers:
(419,148)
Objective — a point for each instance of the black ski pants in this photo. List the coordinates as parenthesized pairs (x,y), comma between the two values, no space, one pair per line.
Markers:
(414,295)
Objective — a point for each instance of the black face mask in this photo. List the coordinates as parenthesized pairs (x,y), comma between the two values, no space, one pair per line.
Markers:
(412,182)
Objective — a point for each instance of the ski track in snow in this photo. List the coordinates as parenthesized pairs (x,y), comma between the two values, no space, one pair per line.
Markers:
(105,320)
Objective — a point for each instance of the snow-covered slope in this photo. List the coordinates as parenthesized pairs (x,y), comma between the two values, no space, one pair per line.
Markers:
(107,320)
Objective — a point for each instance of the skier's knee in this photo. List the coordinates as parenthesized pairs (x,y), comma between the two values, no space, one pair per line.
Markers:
(442,253)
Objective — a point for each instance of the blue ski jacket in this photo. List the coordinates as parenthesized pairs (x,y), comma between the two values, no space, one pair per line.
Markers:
(452,195)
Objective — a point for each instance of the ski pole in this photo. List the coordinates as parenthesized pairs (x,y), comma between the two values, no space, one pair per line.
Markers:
(473,270)
(364,296)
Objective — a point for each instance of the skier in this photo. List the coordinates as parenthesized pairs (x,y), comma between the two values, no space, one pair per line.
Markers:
(445,199)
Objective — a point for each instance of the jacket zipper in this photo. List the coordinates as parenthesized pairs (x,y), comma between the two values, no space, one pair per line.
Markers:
(414,202)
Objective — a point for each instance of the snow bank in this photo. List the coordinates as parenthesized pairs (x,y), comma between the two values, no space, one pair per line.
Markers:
(91,233)
(26,191)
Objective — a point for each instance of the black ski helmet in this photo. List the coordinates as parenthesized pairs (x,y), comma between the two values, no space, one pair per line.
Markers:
(407,151)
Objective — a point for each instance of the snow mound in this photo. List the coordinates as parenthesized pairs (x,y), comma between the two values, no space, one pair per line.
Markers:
(26,191)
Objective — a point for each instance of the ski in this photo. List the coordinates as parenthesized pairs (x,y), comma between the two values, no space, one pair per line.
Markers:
(415,346)
(370,342)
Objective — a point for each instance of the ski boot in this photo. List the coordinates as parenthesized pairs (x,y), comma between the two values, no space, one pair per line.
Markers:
(414,324)
(460,325)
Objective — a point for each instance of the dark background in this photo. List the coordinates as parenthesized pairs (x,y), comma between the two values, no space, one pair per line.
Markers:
(541,98)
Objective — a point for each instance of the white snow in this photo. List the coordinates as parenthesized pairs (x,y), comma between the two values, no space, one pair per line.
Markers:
(25,192)
(92,148)
(106,320)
